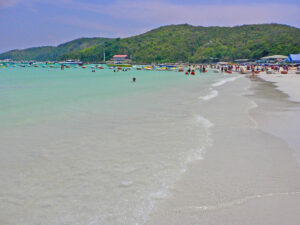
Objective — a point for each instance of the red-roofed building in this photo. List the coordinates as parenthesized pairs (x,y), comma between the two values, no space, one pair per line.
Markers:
(120,57)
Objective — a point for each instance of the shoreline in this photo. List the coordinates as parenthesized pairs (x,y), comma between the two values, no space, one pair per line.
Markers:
(197,151)
(288,123)
(287,83)
(249,176)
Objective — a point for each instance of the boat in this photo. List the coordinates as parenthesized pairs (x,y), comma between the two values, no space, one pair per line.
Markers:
(72,62)
(148,67)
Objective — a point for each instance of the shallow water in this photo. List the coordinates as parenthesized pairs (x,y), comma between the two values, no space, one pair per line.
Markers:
(94,148)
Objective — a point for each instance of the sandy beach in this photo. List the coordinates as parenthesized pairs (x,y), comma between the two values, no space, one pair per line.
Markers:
(250,175)
(287,125)
(287,83)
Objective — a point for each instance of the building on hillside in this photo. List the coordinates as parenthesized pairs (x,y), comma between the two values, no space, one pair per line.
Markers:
(120,58)
(119,61)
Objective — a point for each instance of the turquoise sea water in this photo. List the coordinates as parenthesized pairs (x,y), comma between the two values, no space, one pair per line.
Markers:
(79,147)
(32,93)
(29,94)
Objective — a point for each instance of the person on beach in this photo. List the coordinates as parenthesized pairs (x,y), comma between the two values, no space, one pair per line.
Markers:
(253,72)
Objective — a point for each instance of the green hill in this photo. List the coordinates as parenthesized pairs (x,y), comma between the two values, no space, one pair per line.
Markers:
(200,44)
(190,44)
(51,52)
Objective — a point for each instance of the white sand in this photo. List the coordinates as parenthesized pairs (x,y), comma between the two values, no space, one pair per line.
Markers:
(287,83)
(247,177)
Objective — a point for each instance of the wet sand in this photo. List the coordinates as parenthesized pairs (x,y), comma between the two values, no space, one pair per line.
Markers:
(248,175)
(282,110)
(287,83)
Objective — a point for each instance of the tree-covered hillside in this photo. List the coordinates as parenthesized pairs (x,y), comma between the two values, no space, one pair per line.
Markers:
(50,52)
(200,44)
(178,43)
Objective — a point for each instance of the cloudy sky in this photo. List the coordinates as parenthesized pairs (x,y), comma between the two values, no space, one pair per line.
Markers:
(27,23)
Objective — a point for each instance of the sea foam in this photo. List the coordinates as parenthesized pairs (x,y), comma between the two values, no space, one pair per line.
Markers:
(224,81)
(211,95)
(205,122)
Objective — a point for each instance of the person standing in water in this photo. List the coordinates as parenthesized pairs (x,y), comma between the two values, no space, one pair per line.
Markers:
(133,79)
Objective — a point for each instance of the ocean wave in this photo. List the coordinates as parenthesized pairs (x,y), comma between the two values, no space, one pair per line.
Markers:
(241,201)
(205,122)
(197,154)
(211,95)
(224,81)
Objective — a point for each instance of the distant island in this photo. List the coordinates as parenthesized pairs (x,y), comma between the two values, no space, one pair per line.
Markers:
(176,43)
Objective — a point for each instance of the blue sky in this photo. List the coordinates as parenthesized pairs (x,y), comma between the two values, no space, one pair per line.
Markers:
(28,23)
